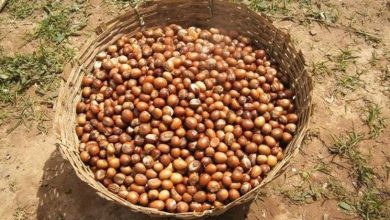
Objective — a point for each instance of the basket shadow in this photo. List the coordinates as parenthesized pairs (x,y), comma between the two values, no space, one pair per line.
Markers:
(62,195)
(239,212)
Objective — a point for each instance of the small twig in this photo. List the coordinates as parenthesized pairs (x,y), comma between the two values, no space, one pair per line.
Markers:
(338,164)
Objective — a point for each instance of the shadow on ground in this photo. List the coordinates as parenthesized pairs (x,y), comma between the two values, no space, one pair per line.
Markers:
(62,195)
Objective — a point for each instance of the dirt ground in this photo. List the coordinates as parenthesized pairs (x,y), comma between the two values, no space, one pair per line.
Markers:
(347,50)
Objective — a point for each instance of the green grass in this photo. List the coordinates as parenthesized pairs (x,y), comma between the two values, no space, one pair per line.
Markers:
(321,69)
(59,25)
(38,71)
(270,7)
(302,11)
(21,9)
(23,71)
(41,68)
(347,79)
(345,146)
(338,65)
(337,190)
(375,119)
(54,28)
(349,82)
(364,199)
(343,59)
(308,191)
(305,193)
(319,167)
(374,205)
(371,204)
(368,201)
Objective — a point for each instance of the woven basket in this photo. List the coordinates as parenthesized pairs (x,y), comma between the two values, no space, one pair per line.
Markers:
(201,13)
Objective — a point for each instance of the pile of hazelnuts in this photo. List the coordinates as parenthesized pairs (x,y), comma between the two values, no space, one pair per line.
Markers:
(183,119)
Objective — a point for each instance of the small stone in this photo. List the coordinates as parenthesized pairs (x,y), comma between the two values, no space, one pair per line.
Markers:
(313,32)
(8,156)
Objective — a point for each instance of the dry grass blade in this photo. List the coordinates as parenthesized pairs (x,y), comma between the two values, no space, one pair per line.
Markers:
(28,111)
